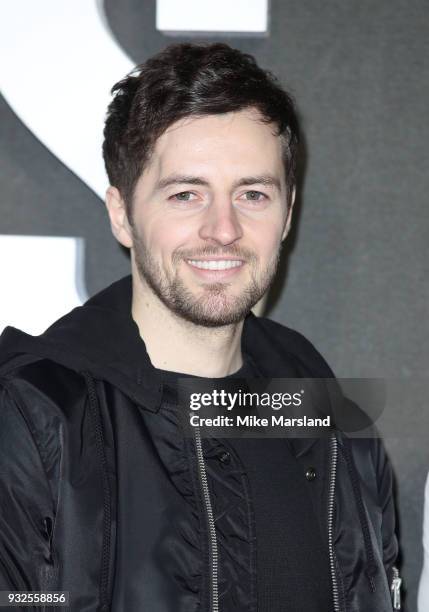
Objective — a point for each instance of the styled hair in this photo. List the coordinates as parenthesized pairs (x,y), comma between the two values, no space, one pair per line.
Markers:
(189,80)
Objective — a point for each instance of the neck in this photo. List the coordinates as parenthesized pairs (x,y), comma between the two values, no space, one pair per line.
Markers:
(181,346)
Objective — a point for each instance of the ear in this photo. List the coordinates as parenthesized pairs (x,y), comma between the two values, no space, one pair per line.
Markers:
(289,214)
(119,223)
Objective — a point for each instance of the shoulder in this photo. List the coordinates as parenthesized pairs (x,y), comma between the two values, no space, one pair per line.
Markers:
(41,396)
(274,340)
(41,381)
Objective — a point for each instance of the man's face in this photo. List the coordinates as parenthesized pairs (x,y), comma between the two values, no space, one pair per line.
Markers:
(209,215)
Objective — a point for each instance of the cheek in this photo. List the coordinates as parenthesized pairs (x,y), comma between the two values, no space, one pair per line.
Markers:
(163,237)
(266,239)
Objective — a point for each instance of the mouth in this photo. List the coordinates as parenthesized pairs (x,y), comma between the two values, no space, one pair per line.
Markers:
(215,270)
(215,264)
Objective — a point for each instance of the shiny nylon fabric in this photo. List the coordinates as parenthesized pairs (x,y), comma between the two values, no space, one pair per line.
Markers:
(235,528)
(171,544)
(352,564)
(29,500)
(70,525)
(159,533)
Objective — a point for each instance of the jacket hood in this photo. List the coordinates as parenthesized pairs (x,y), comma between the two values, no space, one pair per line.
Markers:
(101,337)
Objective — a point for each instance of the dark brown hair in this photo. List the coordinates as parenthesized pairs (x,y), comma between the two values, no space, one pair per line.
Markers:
(189,79)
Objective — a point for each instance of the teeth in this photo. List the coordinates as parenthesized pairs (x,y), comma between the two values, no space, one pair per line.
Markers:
(222,264)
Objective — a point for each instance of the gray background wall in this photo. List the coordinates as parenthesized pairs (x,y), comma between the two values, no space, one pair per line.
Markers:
(355,279)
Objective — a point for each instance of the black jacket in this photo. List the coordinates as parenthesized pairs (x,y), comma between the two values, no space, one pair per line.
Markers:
(62,394)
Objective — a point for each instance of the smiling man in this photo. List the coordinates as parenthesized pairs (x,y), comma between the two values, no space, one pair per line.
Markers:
(102,494)
(209,252)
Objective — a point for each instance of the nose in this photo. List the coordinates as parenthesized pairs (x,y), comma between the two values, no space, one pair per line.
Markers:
(221,224)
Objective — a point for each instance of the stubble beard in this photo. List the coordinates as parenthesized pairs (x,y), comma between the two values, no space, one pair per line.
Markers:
(214,307)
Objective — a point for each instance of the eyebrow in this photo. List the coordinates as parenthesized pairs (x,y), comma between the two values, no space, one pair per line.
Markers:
(182,179)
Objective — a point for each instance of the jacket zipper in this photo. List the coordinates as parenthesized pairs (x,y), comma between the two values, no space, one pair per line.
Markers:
(107,495)
(331,499)
(214,596)
(395,589)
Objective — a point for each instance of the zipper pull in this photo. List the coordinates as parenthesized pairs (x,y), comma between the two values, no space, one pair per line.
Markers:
(395,589)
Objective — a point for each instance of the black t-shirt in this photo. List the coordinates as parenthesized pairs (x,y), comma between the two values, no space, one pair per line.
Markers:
(293,573)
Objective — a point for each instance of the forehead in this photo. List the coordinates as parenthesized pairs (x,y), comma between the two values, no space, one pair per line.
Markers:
(230,144)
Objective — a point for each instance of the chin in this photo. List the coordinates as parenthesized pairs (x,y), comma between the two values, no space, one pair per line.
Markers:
(216,310)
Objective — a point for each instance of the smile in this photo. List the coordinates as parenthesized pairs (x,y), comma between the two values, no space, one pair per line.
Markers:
(215,264)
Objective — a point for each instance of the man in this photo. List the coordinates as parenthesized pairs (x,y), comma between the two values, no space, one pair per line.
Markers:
(102,494)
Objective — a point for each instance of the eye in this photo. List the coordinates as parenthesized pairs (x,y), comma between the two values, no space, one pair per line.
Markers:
(183,196)
(255,196)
